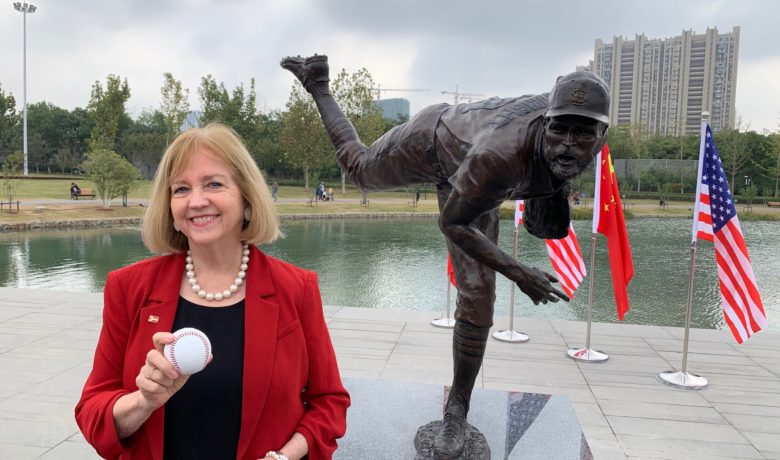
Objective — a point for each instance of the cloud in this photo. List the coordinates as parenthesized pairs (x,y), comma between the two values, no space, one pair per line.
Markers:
(760,78)
(493,47)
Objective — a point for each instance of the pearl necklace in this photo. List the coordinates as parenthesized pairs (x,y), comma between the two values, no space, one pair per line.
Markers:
(227,292)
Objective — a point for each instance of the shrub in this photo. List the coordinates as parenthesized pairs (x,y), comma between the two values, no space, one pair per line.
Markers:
(112,174)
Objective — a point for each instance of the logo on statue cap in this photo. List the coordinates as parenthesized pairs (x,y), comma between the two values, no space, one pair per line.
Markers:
(578,96)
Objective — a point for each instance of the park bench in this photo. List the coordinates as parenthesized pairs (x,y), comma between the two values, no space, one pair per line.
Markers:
(85,192)
(10,205)
(773,204)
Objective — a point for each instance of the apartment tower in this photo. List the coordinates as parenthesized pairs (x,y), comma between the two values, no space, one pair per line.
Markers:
(663,85)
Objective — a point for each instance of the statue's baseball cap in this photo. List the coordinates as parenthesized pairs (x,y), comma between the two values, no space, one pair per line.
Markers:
(580,93)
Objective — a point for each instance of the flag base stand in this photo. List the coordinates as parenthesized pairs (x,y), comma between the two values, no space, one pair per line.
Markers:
(684,380)
(511,336)
(587,355)
(447,323)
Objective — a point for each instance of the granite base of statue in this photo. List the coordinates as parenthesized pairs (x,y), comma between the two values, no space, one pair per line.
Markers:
(475,447)
(391,420)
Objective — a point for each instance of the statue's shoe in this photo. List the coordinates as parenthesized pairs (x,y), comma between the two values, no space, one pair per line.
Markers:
(448,444)
(311,71)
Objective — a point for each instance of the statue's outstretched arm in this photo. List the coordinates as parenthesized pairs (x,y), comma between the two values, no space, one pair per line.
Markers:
(455,222)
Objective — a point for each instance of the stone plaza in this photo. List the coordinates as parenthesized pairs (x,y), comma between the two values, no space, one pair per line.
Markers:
(47,340)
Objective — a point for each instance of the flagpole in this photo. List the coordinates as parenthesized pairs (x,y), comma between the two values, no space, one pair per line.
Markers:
(590,289)
(511,335)
(689,312)
(447,323)
(587,354)
(683,379)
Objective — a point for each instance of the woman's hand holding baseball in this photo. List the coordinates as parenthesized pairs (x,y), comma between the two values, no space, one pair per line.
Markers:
(158,380)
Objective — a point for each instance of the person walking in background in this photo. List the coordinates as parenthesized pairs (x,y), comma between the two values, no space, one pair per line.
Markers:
(321,191)
(272,390)
(274,190)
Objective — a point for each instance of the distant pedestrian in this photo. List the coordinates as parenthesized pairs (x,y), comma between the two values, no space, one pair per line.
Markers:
(75,191)
(416,195)
(321,191)
(274,190)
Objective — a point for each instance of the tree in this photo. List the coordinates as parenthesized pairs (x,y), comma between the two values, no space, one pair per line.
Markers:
(265,146)
(639,136)
(10,182)
(111,173)
(107,109)
(9,120)
(239,110)
(749,195)
(144,149)
(15,160)
(77,135)
(776,169)
(213,99)
(50,130)
(302,134)
(732,146)
(354,94)
(64,159)
(621,142)
(145,140)
(174,106)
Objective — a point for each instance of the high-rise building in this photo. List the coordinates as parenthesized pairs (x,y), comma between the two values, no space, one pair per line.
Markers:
(394,109)
(663,85)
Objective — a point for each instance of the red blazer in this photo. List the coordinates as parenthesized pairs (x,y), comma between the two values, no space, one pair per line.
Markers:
(291,380)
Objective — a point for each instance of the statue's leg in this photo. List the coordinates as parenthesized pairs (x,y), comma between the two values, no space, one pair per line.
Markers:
(404,155)
(313,73)
(474,316)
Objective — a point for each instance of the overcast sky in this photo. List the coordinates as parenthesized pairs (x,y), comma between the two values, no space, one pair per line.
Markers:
(494,48)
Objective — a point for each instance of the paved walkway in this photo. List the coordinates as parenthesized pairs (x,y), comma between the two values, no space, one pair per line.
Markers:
(47,339)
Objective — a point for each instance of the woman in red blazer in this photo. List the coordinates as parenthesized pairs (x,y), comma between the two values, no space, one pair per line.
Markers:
(275,391)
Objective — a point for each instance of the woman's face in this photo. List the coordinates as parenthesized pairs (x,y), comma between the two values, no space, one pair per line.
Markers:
(206,202)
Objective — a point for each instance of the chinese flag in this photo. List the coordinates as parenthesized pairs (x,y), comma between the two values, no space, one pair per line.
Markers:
(451,271)
(608,220)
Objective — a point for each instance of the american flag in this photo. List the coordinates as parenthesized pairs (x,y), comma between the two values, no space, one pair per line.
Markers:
(717,221)
(566,259)
(519,206)
(565,255)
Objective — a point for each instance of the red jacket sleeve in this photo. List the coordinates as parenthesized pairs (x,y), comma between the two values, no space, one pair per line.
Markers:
(326,417)
(94,411)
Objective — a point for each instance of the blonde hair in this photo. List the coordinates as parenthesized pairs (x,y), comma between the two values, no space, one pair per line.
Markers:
(157,228)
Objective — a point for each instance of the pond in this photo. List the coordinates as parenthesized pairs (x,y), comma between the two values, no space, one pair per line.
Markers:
(401,264)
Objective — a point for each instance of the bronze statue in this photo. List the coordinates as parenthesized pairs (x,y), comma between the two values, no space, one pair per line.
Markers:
(478,155)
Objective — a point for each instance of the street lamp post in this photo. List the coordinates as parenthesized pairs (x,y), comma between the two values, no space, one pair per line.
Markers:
(25,8)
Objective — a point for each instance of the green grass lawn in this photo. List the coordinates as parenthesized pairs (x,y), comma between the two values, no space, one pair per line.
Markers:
(32,189)
(344,203)
(39,189)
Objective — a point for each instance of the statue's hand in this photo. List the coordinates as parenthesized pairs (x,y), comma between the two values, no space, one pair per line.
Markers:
(537,285)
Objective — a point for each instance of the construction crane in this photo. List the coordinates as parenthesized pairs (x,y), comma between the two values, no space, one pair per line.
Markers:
(467,96)
(378,89)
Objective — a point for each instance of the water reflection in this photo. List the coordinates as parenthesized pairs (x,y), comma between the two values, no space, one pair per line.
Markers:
(401,264)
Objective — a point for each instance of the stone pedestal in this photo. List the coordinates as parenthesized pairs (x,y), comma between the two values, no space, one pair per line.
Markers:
(385,416)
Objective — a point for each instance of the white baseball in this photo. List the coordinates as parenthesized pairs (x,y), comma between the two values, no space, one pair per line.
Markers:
(189,352)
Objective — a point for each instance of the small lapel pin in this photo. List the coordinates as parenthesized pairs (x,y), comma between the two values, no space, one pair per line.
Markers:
(153,318)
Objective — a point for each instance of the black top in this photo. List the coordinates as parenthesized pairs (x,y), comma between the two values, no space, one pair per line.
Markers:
(203,419)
